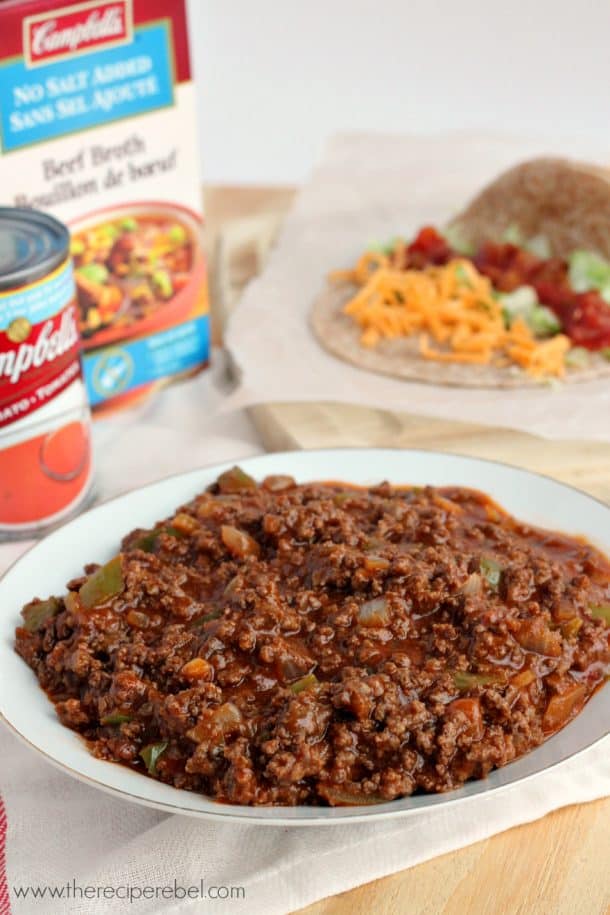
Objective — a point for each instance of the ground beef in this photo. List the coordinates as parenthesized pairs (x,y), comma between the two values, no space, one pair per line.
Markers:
(277,643)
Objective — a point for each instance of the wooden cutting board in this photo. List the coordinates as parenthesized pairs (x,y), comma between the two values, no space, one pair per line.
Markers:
(290,426)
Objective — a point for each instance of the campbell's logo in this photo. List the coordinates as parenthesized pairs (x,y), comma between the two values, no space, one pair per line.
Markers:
(46,342)
(76,29)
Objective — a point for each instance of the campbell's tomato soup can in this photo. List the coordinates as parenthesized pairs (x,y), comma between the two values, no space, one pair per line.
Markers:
(45,443)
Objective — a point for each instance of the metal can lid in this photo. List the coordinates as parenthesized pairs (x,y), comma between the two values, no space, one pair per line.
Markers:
(32,245)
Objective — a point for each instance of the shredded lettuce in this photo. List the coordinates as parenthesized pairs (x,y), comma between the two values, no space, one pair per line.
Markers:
(553,383)
(577,357)
(512,235)
(537,244)
(384,247)
(523,303)
(461,274)
(589,271)
(543,322)
(458,240)
(540,246)
(519,301)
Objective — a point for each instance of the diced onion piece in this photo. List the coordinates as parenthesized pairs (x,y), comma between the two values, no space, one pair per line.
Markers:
(184,523)
(235,481)
(492,512)
(374,544)
(233,585)
(471,708)
(447,505)
(278,483)
(491,571)
(208,506)
(238,543)
(562,707)
(214,724)
(564,610)
(374,563)
(523,679)
(473,585)
(535,635)
(374,612)
(227,717)
(290,667)
(197,669)
(137,619)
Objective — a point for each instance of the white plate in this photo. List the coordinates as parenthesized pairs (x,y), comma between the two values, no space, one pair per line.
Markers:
(47,567)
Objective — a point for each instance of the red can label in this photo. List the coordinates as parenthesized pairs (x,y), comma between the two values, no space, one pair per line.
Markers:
(45,454)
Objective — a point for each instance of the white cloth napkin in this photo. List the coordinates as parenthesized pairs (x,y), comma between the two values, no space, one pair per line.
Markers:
(59,831)
(368,188)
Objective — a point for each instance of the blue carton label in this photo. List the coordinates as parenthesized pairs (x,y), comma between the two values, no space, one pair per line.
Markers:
(85,91)
(117,369)
(39,301)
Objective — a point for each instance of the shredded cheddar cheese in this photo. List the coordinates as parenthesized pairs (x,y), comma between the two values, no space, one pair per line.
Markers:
(452,310)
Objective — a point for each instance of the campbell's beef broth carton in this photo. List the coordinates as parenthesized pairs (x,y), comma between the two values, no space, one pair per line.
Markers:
(98,129)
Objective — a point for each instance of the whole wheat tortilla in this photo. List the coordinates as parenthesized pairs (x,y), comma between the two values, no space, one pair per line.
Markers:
(568,203)
(340,335)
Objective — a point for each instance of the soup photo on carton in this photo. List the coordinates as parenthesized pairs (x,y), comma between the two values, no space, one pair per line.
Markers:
(98,128)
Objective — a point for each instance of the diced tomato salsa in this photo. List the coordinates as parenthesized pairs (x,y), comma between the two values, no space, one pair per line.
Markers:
(585,316)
